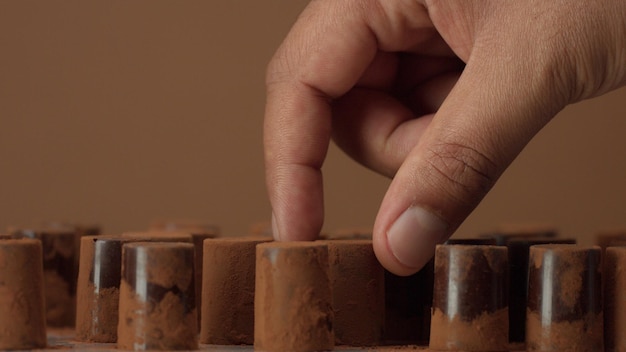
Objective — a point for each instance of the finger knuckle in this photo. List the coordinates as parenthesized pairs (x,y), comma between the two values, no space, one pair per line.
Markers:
(467,173)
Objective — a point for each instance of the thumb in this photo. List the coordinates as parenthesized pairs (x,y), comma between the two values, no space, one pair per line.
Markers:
(486,120)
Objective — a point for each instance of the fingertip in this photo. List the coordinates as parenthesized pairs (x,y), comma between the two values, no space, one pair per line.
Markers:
(409,243)
(275,231)
(297,223)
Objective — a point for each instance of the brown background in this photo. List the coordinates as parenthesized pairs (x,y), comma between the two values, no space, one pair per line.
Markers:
(124,112)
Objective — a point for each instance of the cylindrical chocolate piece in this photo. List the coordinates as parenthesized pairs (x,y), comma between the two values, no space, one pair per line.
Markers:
(197,238)
(22,312)
(408,302)
(519,249)
(157,309)
(357,283)
(293,299)
(161,236)
(99,284)
(470,310)
(228,290)
(615,299)
(181,231)
(98,288)
(59,272)
(79,230)
(481,241)
(564,299)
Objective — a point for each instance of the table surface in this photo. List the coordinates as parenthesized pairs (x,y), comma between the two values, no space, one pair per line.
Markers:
(62,339)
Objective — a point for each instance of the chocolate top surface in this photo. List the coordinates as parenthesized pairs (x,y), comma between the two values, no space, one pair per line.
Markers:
(157,245)
(295,245)
(564,247)
(41,232)
(346,242)
(11,242)
(531,241)
(251,239)
(163,236)
(485,241)
(617,250)
(348,234)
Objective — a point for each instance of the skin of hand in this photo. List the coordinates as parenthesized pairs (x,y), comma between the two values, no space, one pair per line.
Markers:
(439,95)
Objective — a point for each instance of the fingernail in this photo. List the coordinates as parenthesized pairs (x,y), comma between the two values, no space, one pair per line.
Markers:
(275,232)
(414,235)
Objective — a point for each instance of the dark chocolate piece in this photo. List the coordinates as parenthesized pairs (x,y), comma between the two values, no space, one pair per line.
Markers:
(614,299)
(564,299)
(98,288)
(408,303)
(470,310)
(519,249)
(157,309)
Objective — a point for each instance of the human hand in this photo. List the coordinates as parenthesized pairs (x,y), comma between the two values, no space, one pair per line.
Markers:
(439,95)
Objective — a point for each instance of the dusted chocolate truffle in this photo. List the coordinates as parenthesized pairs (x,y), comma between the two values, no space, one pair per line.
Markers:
(293,299)
(228,290)
(157,309)
(22,312)
(470,310)
(564,299)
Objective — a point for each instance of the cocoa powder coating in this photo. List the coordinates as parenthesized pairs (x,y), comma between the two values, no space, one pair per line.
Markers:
(486,332)
(59,265)
(293,299)
(22,311)
(580,335)
(357,282)
(157,308)
(228,290)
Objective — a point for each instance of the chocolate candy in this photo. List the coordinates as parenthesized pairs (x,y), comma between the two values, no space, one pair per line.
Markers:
(157,309)
(564,299)
(293,298)
(470,310)
(22,312)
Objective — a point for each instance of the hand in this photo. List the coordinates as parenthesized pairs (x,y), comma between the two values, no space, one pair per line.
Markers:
(439,95)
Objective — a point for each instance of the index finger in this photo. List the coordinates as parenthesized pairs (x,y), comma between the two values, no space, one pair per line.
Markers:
(323,56)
